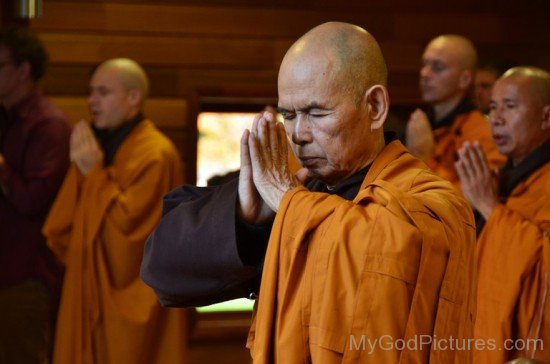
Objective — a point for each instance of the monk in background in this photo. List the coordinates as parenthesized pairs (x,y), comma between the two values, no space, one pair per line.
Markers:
(446,82)
(110,201)
(364,243)
(514,246)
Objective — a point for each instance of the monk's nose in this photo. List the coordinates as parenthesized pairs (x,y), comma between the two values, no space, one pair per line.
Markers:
(302,130)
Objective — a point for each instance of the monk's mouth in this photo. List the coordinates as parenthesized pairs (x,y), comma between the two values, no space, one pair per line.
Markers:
(499,139)
(309,161)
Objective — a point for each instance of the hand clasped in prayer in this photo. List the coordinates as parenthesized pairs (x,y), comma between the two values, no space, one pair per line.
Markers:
(420,139)
(85,150)
(264,169)
(478,182)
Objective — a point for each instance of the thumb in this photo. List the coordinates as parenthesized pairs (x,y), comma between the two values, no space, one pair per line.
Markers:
(301,175)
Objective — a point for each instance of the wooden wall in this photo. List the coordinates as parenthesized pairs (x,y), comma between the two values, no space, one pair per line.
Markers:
(228,51)
(222,53)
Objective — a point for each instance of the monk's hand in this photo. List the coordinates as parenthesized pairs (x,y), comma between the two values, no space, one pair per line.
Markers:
(420,140)
(268,148)
(479,184)
(251,207)
(84,148)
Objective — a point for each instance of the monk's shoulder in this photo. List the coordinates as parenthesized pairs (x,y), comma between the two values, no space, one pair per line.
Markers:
(411,175)
(150,143)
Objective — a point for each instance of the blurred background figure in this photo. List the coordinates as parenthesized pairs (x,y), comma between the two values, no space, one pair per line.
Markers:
(34,157)
(110,201)
(446,80)
(486,75)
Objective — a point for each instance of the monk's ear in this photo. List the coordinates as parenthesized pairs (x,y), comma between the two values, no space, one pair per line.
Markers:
(378,104)
(546,118)
(135,97)
(466,79)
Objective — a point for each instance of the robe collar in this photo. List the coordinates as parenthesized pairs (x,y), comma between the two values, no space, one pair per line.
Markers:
(464,106)
(349,188)
(512,176)
(110,140)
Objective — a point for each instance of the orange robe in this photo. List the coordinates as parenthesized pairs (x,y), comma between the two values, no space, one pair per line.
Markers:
(97,228)
(471,126)
(514,273)
(397,262)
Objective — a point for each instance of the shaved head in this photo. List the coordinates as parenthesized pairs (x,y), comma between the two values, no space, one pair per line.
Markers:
(130,74)
(459,48)
(447,72)
(520,112)
(538,79)
(356,58)
(118,89)
(334,101)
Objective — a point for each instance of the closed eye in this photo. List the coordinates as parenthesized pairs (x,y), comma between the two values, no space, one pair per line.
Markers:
(288,115)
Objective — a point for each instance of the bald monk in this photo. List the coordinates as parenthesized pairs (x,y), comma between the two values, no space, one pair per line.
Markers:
(373,247)
(514,247)
(446,80)
(109,203)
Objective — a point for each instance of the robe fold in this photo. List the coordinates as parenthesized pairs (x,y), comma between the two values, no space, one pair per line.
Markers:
(97,228)
(514,274)
(396,263)
(471,126)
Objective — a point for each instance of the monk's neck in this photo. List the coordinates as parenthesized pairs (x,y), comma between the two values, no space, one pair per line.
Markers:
(444,108)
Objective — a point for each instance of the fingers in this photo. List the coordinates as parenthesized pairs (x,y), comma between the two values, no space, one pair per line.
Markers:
(482,159)
(271,141)
(88,137)
(274,139)
(473,165)
(75,141)
(245,154)
(302,175)
(255,152)
(255,122)
(282,152)
(474,161)
(462,169)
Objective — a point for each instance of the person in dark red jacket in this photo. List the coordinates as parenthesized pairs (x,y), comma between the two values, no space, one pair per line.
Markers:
(34,157)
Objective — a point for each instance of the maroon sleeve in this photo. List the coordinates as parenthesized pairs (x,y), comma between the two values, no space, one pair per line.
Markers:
(194,256)
(45,163)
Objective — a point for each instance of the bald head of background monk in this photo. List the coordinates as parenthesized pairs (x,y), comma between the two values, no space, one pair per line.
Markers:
(333,97)
(118,90)
(520,124)
(447,73)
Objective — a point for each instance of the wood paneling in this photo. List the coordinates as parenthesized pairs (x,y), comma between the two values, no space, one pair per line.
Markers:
(421,27)
(222,51)
(231,49)
(171,116)
(173,81)
(165,113)
(183,20)
(175,51)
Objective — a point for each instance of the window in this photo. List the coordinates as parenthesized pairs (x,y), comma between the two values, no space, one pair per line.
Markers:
(218,154)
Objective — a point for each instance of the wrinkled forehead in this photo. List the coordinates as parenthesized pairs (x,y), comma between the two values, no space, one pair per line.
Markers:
(514,88)
(314,72)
